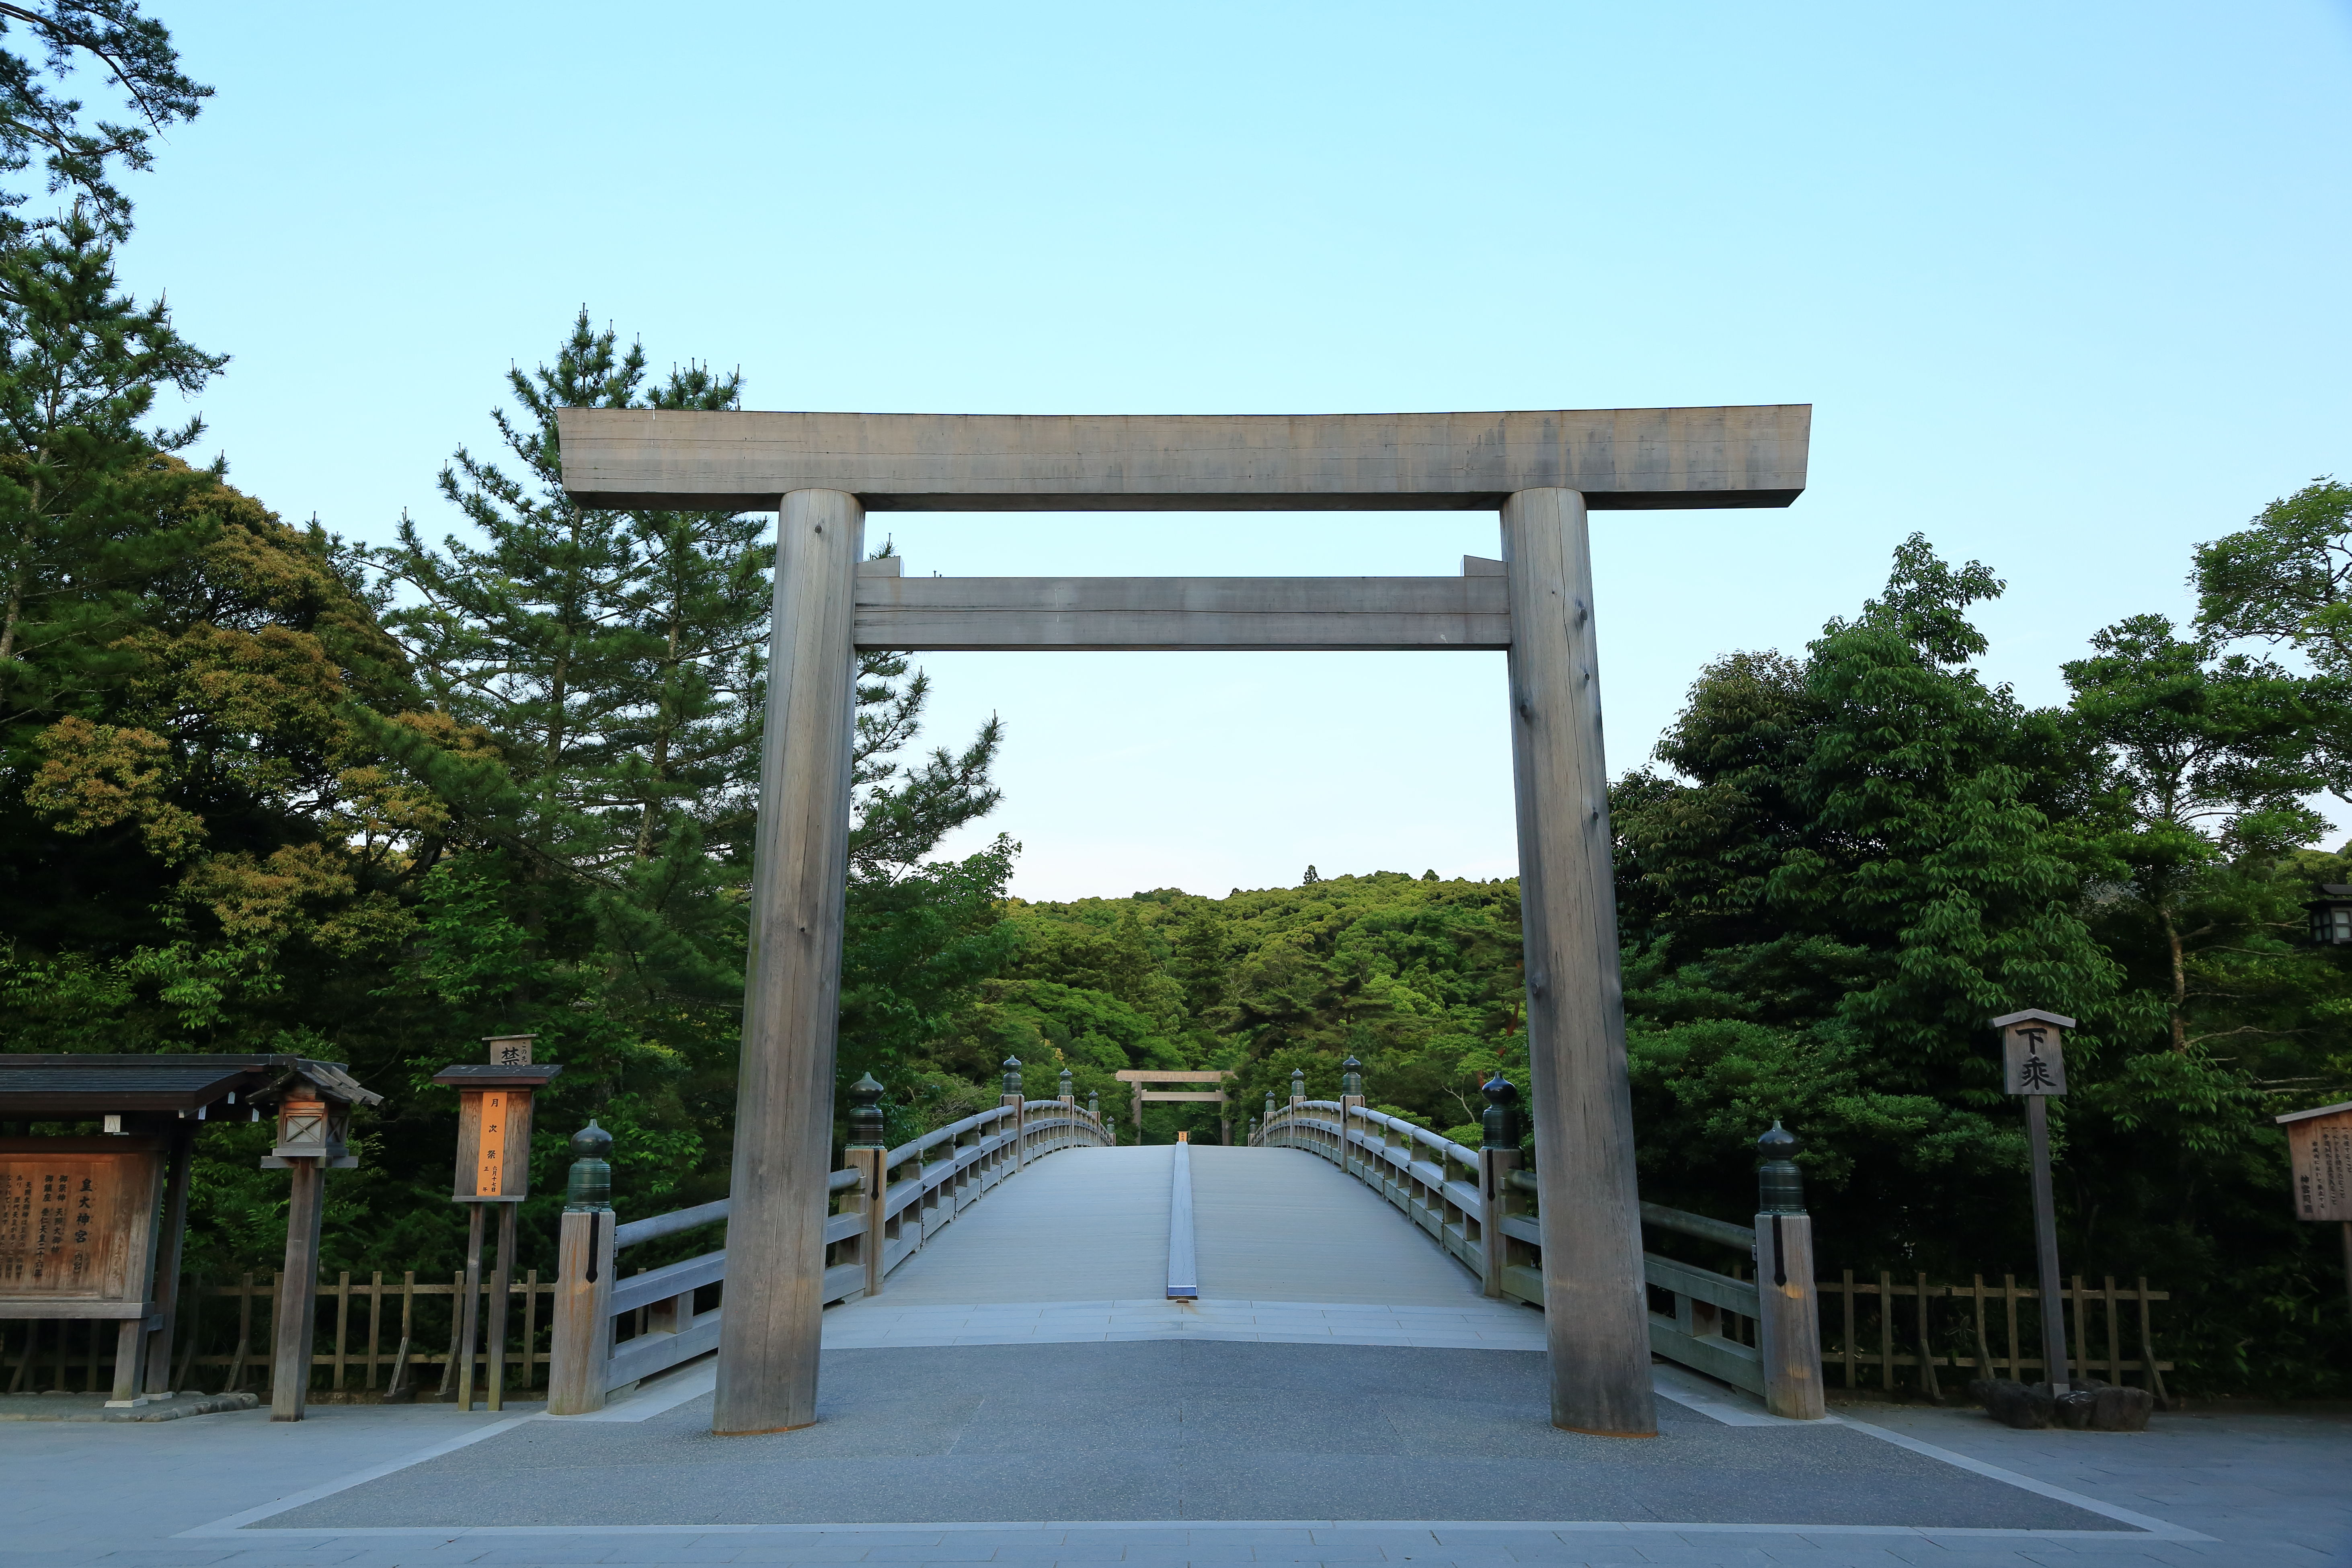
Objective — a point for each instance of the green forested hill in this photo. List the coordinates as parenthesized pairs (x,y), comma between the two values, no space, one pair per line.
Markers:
(1416,977)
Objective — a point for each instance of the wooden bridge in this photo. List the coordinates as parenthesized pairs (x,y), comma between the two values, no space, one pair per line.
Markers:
(1338,1225)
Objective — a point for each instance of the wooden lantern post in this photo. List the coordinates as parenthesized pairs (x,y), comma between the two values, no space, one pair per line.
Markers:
(2033,1065)
(314,1116)
(493,1168)
(2319,1143)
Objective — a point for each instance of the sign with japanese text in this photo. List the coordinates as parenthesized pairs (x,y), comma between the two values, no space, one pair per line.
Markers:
(2033,1059)
(2320,1148)
(493,1145)
(73,1227)
(491,1151)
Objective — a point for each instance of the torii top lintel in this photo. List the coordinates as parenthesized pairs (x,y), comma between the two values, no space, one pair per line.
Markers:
(1621,458)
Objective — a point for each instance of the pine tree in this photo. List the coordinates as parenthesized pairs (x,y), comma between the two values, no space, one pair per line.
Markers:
(91,506)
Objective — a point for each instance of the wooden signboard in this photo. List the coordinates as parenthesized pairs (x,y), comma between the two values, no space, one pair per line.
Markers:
(2319,1142)
(76,1226)
(2033,1059)
(493,1145)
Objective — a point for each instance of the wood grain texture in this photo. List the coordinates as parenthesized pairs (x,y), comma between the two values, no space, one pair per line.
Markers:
(1183,1271)
(783,1109)
(580,1341)
(290,1376)
(1619,457)
(170,1238)
(1596,1317)
(1788,1317)
(1070,614)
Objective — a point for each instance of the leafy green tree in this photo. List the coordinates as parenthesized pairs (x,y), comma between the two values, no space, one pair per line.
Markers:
(2202,762)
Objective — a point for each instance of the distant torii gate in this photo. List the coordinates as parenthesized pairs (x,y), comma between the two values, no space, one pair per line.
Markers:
(1139,1077)
(823,472)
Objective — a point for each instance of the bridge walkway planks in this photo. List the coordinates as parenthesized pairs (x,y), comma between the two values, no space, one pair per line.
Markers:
(1074,1248)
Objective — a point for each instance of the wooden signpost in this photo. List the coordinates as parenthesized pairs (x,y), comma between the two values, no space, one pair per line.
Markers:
(2319,1145)
(493,1168)
(2033,1065)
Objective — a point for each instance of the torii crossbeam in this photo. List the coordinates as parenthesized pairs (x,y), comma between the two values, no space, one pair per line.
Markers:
(1542,470)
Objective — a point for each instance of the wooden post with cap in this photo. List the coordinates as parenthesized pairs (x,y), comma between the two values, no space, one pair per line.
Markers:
(1498,1156)
(866,1153)
(1788,1316)
(2033,1063)
(580,1338)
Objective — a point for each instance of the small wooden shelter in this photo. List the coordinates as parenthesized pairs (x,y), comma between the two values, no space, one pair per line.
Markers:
(91,1221)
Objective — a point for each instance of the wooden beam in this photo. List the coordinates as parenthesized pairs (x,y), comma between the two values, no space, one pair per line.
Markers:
(783,1101)
(1619,457)
(1596,1317)
(1071,613)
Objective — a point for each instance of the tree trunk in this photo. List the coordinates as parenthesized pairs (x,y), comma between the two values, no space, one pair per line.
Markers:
(2179,1001)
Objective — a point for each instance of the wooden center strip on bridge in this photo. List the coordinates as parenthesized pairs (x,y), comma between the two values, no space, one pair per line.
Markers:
(1183,1267)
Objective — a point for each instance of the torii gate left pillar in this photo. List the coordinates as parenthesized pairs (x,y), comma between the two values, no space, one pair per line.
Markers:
(1540,470)
(768,1330)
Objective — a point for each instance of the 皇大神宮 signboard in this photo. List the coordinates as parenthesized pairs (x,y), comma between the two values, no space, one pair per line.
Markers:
(77,1227)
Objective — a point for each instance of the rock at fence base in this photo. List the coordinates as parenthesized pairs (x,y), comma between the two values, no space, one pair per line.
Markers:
(2073,1409)
(2122,1409)
(2012,1404)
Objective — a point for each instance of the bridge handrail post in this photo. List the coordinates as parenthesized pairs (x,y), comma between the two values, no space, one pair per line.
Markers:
(1014,1100)
(1498,1156)
(580,1338)
(868,1153)
(1788,1317)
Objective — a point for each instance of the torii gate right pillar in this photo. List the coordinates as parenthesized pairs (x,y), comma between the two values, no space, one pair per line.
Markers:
(1595,1315)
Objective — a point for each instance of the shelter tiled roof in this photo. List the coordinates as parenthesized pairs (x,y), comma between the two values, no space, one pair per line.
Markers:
(92,1085)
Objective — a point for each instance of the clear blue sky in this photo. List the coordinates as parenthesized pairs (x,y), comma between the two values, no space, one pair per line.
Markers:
(2066,286)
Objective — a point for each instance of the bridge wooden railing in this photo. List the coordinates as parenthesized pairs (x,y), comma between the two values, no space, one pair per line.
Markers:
(1478,1206)
(880,1209)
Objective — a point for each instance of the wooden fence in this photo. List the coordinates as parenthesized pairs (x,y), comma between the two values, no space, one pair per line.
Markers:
(1869,1325)
(369,1329)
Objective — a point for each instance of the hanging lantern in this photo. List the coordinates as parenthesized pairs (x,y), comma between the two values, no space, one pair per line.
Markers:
(312,1128)
(2331,915)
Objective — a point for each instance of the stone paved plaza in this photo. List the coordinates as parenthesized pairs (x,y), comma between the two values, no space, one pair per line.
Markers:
(1347,1396)
(1169,1452)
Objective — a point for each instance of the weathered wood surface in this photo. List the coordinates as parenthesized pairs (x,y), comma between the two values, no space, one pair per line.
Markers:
(1788,1317)
(170,1239)
(290,1378)
(1018,1246)
(1619,457)
(2045,1240)
(1596,1317)
(1183,1270)
(783,1118)
(581,1343)
(1073,614)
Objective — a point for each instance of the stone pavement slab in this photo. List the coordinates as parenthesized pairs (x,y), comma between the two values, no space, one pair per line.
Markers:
(2266,1489)
(1178,1430)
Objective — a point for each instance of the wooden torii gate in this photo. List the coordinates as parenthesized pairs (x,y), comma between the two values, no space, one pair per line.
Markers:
(1139,1077)
(1542,470)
